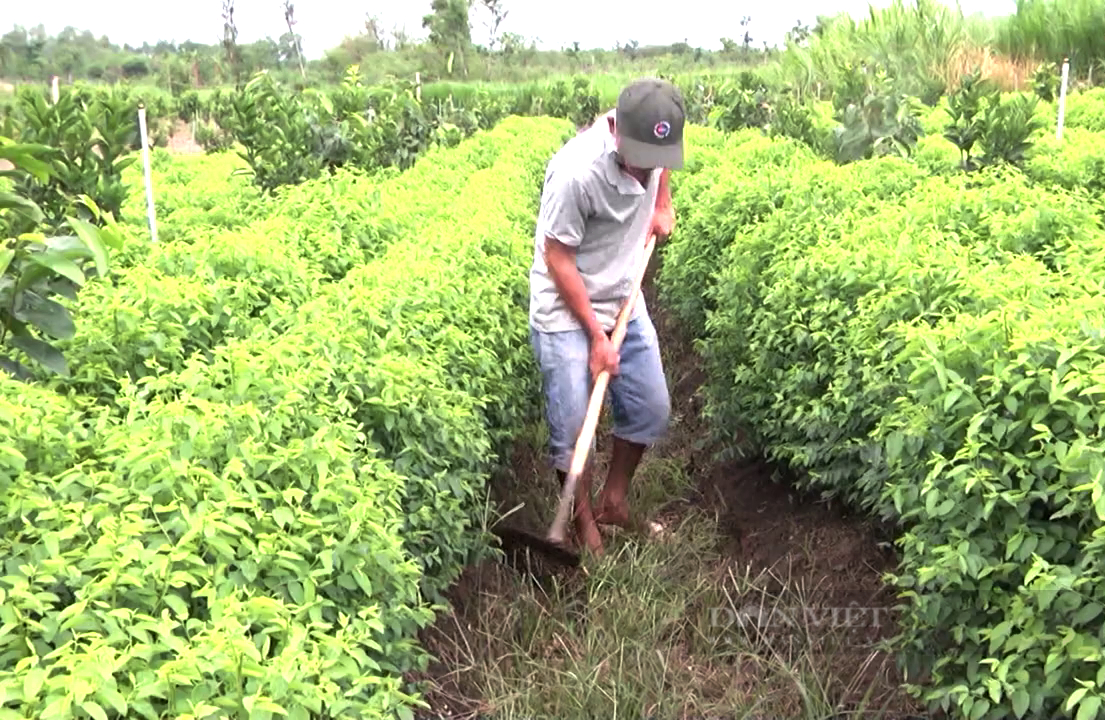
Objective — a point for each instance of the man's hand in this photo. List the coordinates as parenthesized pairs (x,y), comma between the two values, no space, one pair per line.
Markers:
(603,356)
(663,222)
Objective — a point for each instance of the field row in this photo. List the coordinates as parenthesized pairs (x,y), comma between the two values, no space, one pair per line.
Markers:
(926,347)
(269,458)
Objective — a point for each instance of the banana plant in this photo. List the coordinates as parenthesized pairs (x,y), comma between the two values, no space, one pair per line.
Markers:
(36,268)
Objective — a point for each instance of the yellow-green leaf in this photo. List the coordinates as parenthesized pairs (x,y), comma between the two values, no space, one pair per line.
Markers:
(90,236)
(32,684)
(59,264)
(94,710)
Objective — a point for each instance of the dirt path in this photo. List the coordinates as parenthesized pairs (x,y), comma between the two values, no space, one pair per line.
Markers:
(654,630)
(181,142)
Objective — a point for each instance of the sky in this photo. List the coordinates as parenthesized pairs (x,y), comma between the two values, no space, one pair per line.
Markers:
(323,23)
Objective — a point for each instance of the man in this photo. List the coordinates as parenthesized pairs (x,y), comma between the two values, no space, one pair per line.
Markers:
(604,192)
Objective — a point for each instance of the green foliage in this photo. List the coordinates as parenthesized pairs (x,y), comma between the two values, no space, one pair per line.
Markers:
(121,99)
(277,133)
(584,103)
(1086,110)
(1045,82)
(225,566)
(795,119)
(36,267)
(750,102)
(1053,29)
(875,121)
(936,155)
(1002,130)
(289,138)
(188,106)
(197,191)
(1001,492)
(1075,163)
(742,103)
(967,109)
(927,350)
(270,456)
(727,200)
(1009,129)
(212,138)
(89,142)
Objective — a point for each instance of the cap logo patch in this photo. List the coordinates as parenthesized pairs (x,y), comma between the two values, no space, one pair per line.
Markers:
(662,129)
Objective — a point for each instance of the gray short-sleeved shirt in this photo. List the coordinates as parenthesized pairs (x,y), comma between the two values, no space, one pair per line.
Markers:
(589,203)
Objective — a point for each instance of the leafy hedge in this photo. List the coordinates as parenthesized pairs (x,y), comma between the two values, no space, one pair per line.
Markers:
(1085,110)
(716,204)
(1075,163)
(191,193)
(929,350)
(252,506)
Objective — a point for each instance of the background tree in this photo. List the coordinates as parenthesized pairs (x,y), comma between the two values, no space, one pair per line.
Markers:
(230,42)
(289,18)
(450,30)
(498,14)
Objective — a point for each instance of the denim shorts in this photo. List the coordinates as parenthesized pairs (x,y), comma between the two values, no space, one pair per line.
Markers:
(638,394)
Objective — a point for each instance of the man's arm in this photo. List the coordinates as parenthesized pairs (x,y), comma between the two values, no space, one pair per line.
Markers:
(663,192)
(663,213)
(564,208)
(561,261)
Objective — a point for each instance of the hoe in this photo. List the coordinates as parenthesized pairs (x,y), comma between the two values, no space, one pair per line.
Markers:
(553,545)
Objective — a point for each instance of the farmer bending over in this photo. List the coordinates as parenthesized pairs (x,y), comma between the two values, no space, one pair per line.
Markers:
(604,191)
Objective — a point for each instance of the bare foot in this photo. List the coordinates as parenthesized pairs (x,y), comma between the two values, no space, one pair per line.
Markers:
(613,512)
(587,534)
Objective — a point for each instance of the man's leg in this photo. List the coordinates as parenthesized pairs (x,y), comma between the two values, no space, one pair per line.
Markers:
(563,358)
(641,408)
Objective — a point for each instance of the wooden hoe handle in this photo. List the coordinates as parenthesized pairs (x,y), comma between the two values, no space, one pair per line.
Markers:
(594,408)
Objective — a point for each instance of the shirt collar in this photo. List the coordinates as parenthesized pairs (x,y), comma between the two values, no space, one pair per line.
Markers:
(614,174)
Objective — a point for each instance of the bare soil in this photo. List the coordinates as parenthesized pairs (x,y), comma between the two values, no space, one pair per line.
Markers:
(181,142)
(769,531)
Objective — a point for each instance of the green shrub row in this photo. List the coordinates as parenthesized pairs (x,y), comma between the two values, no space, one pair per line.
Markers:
(927,349)
(716,203)
(1075,163)
(336,222)
(1085,110)
(200,557)
(184,296)
(191,193)
(259,522)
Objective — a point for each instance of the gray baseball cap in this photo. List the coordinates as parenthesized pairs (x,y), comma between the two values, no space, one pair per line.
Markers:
(649,122)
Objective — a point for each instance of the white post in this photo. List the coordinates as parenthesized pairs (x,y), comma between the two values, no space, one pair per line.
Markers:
(146,167)
(55,92)
(418,86)
(1062,98)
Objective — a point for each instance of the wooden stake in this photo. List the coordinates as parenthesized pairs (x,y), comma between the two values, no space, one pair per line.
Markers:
(146,168)
(1062,99)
